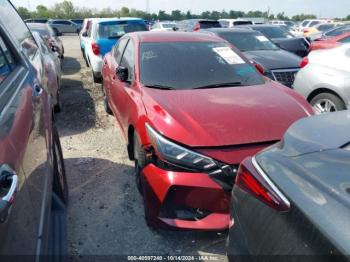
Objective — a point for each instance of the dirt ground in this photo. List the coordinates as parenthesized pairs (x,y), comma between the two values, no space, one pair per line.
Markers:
(105,214)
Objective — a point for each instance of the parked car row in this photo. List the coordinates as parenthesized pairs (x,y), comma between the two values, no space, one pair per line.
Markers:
(60,26)
(219,138)
(33,184)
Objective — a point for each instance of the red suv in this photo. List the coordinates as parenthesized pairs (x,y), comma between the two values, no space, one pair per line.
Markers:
(191,108)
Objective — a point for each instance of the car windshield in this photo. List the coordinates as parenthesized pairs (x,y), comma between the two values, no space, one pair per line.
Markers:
(209,24)
(338,31)
(251,41)
(273,32)
(119,28)
(324,27)
(189,65)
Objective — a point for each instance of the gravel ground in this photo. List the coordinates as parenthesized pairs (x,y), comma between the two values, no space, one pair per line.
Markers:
(105,213)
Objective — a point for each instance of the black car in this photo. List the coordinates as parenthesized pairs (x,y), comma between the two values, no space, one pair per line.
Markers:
(191,25)
(291,202)
(284,39)
(272,61)
(33,185)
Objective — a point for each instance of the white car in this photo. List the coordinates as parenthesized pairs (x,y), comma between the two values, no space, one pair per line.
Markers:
(163,26)
(324,79)
(102,35)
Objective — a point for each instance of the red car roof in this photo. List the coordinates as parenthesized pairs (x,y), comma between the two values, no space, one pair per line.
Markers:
(175,37)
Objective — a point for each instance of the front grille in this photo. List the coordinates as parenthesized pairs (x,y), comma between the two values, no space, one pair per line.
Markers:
(285,76)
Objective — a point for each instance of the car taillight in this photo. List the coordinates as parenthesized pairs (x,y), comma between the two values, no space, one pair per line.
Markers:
(252,179)
(259,68)
(95,49)
(304,62)
(197,27)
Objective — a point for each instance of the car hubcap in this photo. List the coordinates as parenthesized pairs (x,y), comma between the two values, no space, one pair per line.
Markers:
(324,106)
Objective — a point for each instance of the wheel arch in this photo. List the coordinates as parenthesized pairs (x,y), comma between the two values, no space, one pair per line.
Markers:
(321,90)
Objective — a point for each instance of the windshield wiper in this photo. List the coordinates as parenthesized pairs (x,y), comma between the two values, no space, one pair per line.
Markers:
(156,86)
(229,84)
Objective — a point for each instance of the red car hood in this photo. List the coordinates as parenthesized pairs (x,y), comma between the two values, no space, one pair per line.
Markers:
(224,116)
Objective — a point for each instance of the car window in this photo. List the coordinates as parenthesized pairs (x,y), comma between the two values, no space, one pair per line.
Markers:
(7,63)
(251,41)
(224,23)
(168,25)
(188,65)
(41,30)
(305,23)
(345,40)
(19,30)
(128,59)
(314,23)
(117,29)
(242,23)
(119,49)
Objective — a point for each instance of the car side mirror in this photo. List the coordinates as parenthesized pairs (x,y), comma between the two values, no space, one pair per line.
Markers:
(122,73)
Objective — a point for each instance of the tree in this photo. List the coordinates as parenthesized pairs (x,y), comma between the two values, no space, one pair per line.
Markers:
(124,12)
(188,15)
(302,17)
(177,15)
(42,12)
(23,12)
(281,16)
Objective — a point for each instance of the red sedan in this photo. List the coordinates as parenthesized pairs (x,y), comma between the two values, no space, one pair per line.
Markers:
(191,108)
(330,42)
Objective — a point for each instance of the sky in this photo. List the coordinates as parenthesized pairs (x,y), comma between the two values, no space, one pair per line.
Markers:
(321,8)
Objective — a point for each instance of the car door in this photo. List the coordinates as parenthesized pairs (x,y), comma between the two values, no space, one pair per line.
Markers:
(29,131)
(121,91)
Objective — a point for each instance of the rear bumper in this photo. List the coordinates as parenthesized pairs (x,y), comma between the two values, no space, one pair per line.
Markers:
(180,200)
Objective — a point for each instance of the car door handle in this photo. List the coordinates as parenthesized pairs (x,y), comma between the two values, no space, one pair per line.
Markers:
(38,90)
(8,183)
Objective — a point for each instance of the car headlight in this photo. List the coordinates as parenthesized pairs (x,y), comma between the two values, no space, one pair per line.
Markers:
(176,154)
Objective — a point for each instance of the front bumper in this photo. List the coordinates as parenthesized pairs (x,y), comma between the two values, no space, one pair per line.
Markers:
(184,200)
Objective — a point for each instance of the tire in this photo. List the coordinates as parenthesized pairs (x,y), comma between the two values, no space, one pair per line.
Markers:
(55,30)
(326,103)
(140,163)
(58,107)
(105,102)
(60,185)
(97,79)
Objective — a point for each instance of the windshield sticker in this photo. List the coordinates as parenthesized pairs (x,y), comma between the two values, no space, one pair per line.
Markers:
(262,38)
(228,55)
(149,55)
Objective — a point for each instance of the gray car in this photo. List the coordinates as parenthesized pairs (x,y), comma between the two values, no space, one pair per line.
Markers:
(324,79)
(64,26)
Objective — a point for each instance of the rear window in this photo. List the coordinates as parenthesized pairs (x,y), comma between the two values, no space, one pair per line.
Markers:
(189,65)
(273,32)
(242,23)
(117,29)
(338,31)
(249,41)
(209,24)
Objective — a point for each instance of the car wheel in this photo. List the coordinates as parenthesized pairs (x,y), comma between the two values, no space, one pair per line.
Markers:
(326,103)
(140,162)
(60,185)
(56,31)
(96,78)
(105,102)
